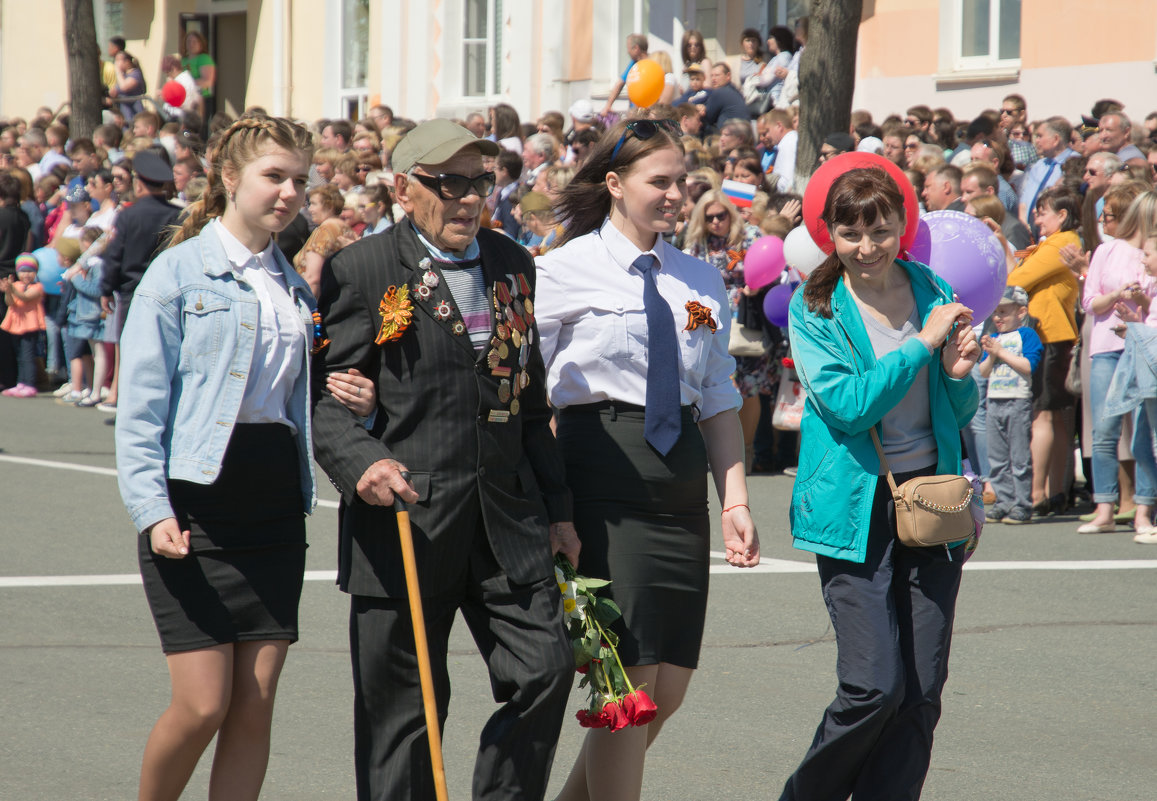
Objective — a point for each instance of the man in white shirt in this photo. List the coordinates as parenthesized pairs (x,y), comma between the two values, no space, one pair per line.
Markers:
(1051,139)
(779,138)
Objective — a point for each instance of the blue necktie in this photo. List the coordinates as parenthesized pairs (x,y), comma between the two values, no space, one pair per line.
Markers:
(662,422)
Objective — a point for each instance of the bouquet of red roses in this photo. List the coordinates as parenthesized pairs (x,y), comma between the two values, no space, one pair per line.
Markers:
(614,702)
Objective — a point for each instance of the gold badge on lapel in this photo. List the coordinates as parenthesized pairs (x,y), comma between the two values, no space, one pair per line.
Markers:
(397,312)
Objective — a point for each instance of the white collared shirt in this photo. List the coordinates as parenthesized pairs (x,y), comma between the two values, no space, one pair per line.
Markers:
(593,327)
(280,336)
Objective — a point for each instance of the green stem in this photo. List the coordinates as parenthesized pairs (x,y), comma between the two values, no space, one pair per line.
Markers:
(615,651)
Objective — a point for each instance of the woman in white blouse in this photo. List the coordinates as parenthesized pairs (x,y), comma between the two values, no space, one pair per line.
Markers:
(215,460)
(634,335)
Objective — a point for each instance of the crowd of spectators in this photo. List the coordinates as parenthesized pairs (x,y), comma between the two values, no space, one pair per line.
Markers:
(1055,189)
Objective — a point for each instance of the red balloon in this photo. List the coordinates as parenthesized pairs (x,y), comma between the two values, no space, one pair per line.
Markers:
(821,182)
(173,93)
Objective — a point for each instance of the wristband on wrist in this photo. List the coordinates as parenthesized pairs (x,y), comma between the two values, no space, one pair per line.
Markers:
(736,506)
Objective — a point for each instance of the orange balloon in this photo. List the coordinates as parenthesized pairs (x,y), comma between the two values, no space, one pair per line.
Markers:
(645,82)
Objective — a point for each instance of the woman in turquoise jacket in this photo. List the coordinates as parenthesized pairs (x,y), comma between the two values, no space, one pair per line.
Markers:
(878,343)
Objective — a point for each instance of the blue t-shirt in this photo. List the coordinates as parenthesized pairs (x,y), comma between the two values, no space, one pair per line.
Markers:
(1003,381)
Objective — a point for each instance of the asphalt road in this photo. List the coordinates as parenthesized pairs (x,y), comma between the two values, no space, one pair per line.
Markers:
(1051,694)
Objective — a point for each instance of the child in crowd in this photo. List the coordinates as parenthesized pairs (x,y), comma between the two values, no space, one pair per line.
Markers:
(68,250)
(24,321)
(85,320)
(1010,356)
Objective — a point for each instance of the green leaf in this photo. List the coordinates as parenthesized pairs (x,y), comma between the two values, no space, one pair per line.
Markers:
(611,637)
(607,612)
(587,584)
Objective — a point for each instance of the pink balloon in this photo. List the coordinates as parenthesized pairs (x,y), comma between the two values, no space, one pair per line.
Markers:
(776,302)
(967,255)
(764,262)
(921,248)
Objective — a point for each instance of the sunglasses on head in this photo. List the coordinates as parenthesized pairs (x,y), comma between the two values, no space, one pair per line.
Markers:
(455,187)
(644,130)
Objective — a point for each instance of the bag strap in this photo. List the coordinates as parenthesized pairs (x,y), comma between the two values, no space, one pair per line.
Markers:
(884,461)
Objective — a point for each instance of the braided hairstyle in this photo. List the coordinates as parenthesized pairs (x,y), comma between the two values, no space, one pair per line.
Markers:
(229,152)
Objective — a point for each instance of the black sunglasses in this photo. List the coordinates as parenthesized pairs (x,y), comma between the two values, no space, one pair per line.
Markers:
(720,217)
(644,130)
(454,187)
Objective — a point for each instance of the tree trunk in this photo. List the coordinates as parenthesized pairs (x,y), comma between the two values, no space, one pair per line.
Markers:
(827,78)
(86,92)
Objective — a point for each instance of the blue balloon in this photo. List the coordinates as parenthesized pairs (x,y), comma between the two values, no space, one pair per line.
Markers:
(50,273)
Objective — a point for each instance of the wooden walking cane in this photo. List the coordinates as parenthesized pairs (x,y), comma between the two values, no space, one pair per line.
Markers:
(422,651)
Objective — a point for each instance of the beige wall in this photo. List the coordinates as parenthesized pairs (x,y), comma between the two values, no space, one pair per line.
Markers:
(30,79)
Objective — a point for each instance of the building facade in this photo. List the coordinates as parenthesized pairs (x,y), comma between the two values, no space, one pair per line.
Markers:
(328,58)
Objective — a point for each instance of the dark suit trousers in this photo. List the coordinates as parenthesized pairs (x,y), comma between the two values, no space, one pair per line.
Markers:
(518,629)
(893,621)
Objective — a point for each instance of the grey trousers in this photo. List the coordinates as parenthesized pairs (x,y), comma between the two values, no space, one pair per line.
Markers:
(893,621)
(1009,457)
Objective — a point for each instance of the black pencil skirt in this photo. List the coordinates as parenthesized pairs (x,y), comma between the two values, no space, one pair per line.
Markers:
(642,519)
(242,578)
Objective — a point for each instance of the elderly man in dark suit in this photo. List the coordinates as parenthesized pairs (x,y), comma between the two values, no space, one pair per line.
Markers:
(440,315)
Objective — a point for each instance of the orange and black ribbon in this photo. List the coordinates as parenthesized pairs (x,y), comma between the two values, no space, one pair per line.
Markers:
(697,315)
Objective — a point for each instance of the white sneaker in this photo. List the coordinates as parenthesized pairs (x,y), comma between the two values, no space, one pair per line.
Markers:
(65,388)
(103,393)
(1146,537)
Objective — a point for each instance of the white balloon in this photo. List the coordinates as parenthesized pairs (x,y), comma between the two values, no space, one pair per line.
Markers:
(801,251)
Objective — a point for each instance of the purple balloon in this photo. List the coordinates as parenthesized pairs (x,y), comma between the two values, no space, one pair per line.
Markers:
(775,304)
(763,263)
(967,255)
(921,249)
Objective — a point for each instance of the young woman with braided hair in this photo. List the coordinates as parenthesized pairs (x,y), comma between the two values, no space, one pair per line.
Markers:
(215,459)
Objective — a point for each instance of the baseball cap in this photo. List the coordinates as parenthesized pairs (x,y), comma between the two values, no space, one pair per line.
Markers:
(534,201)
(68,249)
(582,110)
(77,195)
(1014,294)
(436,141)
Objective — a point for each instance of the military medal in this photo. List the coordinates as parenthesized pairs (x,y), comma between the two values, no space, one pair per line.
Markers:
(498,416)
(529,305)
(517,305)
(524,354)
(504,391)
(459,328)
(515,406)
(502,331)
(502,292)
(492,359)
(424,292)
(503,372)
(523,285)
(443,311)
(524,379)
(516,337)
(430,279)
(519,324)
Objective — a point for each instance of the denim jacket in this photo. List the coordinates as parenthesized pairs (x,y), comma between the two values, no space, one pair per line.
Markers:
(186,350)
(848,393)
(84,308)
(1135,379)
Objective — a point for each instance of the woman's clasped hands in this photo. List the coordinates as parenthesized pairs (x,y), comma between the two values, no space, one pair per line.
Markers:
(950,325)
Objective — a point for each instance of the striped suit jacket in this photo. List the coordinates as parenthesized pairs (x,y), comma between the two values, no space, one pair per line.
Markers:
(481,458)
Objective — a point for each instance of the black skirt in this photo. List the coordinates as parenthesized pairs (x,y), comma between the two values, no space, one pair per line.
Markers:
(642,519)
(242,578)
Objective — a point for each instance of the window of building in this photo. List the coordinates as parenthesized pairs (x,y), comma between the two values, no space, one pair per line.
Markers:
(355,57)
(988,33)
(481,48)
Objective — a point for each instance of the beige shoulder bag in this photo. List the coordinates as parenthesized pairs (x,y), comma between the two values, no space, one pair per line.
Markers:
(930,510)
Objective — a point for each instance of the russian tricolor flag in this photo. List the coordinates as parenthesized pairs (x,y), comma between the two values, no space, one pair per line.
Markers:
(738,193)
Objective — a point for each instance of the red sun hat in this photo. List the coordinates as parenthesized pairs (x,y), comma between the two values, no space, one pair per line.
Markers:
(821,182)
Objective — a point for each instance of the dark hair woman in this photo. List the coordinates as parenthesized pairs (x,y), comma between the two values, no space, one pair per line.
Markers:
(505,127)
(878,344)
(630,374)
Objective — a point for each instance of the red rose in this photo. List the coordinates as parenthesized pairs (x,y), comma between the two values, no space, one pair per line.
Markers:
(615,716)
(788,362)
(590,721)
(640,709)
(583,668)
